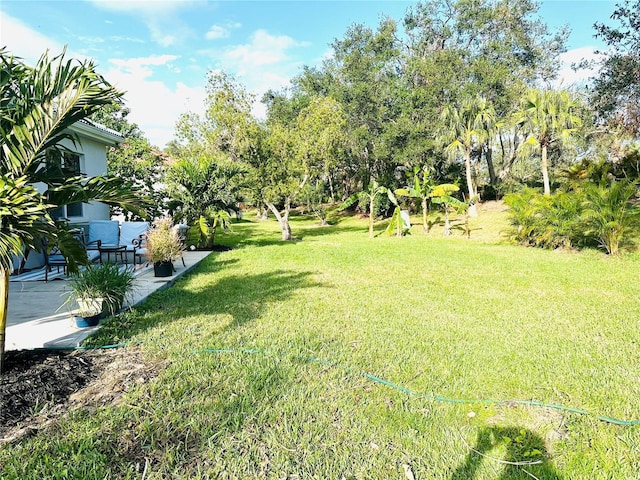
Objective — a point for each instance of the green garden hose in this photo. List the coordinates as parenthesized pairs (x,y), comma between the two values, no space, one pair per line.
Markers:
(400,388)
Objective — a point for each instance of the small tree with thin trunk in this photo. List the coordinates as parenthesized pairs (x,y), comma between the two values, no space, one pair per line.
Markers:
(548,116)
(465,128)
(369,195)
(422,189)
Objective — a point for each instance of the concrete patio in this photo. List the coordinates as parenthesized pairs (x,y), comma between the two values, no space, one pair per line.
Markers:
(38,318)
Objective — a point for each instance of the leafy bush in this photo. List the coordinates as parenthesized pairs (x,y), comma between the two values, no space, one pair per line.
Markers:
(107,281)
(609,214)
(590,214)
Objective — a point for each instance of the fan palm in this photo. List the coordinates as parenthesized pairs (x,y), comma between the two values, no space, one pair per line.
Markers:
(38,105)
(466,125)
(548,116)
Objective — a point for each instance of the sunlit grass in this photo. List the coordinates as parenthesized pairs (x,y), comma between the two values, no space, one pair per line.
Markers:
(303,322)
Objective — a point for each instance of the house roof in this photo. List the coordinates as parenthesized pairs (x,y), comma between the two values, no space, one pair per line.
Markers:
(96,131)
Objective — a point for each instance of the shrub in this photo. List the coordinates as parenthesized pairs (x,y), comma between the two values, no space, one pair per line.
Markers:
(590,214)
(107,281)
(609,214)
(163,242)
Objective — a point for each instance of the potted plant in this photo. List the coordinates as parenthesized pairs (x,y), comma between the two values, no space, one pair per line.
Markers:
(164,245)
(99,290)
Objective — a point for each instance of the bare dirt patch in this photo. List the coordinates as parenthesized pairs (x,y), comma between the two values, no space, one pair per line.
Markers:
(39,386)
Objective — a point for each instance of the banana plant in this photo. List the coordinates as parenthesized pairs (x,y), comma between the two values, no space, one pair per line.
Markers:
(441,195)
(396,224)
(374,189)
(422,189)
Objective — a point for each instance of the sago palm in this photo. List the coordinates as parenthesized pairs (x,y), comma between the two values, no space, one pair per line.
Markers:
(610,215)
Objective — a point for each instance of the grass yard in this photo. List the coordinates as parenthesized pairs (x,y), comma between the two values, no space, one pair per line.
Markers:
(271,353)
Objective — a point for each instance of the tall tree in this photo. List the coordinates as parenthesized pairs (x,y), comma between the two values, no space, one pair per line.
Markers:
(465,128)
(141,164)
(548,117)
(38,105)
(616,90)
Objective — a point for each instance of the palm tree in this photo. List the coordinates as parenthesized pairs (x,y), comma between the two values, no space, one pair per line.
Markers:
(548,116)
(610,215)
(37,107)
(421,189)
(203,191)
(373,190)
(465,126)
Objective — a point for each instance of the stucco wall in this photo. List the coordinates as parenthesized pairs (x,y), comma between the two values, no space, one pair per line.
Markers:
(93,162)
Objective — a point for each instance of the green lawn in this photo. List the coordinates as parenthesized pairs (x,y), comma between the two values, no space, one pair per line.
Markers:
(307,327)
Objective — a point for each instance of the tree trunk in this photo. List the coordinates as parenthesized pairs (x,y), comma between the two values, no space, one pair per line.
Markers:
(4,304)
(425,212)
(492,171)
(472,206)
(545,172)
(332,193)
(371,207)
(283,220)
(447,224)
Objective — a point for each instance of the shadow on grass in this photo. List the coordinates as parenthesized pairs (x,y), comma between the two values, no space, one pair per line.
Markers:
(526,455)
(258,238)
(241,296)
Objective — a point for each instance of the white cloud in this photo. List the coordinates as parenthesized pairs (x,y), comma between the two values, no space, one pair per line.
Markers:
(568,76)
(263,49)
(160,17)
(264,63)
(221,31)
(15,34)
(155,106)
(216,31)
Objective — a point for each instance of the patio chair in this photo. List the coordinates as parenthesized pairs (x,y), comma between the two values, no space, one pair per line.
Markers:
(132,238)
(54,258)
(183,232)
(104,236)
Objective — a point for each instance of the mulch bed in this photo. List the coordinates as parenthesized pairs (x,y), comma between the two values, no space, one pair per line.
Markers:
(38,386)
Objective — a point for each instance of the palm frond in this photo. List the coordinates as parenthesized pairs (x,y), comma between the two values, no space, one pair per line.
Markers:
(23,218)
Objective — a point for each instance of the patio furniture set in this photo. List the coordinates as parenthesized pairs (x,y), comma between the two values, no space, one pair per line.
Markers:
(104,238)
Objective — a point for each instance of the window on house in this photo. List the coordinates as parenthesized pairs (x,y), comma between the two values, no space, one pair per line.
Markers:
(72,164)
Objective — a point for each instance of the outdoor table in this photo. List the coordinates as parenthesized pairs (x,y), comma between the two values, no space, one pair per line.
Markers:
(117,250)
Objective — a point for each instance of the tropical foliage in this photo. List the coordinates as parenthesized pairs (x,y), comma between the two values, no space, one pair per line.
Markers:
(39,104)
(605,214)
(203,190)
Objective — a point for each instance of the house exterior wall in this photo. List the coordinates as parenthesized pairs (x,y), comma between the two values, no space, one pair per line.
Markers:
(93,162)
(92,148)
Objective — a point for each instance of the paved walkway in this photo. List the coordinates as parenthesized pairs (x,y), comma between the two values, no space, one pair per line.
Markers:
(37,316)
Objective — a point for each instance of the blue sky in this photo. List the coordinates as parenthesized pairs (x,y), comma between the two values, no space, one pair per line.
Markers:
(160,51)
